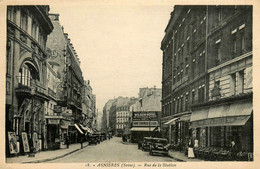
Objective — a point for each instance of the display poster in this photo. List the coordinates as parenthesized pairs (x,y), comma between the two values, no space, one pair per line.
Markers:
(35,141)
(13,147)
(26,147)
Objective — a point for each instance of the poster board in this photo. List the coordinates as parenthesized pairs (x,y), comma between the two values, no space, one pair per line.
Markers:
(13,147)
(25,142)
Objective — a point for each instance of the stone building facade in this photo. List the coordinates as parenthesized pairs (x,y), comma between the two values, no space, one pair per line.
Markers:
(70,88)
(207,59)
(26,67)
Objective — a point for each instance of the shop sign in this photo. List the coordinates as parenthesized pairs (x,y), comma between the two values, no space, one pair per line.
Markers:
(53,121)
(145,116)
(26,147)
(13,147)
(35,141)
(145,123)
(220,121)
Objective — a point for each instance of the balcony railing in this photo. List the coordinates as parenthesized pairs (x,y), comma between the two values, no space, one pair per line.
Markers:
(28,83)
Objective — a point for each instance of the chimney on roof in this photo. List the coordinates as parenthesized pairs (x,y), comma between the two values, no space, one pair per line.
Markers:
(54,17)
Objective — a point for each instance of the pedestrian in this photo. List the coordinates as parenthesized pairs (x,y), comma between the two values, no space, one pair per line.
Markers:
(196,143)
(67,141)
(190,150)
(233,150)
(81,142)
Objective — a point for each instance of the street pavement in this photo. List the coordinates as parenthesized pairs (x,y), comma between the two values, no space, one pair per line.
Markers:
(112,150)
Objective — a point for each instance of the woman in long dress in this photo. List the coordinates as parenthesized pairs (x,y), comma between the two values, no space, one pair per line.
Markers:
(190,150)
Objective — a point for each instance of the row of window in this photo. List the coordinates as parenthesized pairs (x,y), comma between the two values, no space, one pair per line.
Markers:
(182,102)
(122,120)
(120,126)
(122,108)
(122,114)
(236,84)
(35,30)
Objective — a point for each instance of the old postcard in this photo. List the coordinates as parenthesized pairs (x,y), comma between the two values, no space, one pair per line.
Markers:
(129,84)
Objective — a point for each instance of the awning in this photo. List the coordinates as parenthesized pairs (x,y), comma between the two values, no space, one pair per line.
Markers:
(235,114)
(77,127)
(185,117)
(85,128)
(172,121)
(142,128)
(64,124)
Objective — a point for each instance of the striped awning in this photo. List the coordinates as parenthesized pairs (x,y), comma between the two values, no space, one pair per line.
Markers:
(172,121)
(234,114)
(78,128)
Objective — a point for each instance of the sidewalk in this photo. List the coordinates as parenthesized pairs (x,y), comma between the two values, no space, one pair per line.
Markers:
(44,156)
(179,156)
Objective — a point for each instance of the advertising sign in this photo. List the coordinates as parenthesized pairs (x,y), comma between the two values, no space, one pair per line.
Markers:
(145,119)
(145,123)
(35,141)
(26,147)
(53,121)
(13,147)
(145,116)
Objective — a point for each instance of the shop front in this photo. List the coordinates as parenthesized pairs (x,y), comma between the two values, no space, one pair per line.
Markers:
(27,132)
(53,132)
(178,132)
(144,124)
(218,125)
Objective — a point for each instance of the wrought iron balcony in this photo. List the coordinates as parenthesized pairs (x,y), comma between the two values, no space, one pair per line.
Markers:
(26,85)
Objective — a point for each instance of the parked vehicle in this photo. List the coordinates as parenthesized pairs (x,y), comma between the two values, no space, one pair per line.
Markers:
(159,146)
(97,136)
(92,140)
(140,144)
(104,136)
(146,143)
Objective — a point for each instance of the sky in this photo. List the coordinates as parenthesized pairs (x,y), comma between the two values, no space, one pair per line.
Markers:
(118,44)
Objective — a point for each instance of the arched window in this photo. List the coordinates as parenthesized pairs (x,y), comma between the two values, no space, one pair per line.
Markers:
(27,73)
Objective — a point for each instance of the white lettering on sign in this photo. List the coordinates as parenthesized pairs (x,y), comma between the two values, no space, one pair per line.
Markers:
(145,123)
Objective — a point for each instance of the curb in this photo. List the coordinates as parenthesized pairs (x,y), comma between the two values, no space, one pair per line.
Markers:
(55,158)
(177,159)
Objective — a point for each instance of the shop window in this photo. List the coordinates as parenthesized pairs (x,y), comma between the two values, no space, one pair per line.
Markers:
(215,136)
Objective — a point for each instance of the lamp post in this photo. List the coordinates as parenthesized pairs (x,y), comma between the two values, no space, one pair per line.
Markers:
(32,149)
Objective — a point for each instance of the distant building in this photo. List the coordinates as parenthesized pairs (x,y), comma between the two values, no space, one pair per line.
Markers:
(105,117)
(89,105)
(70,89)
